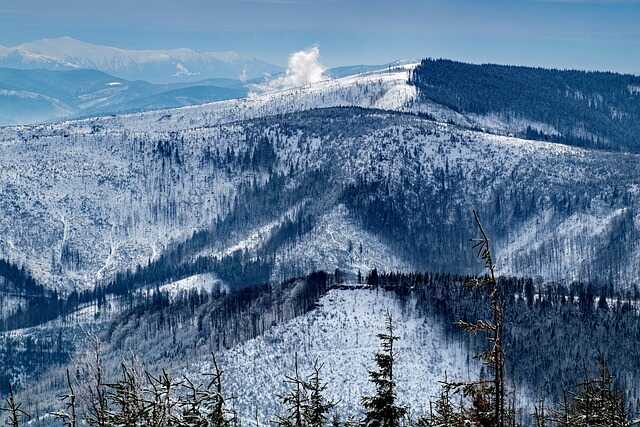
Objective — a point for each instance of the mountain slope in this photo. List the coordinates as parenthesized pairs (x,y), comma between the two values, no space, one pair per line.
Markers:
(118,196)
(28,96)
(341,334)
(117,192)
(590,109)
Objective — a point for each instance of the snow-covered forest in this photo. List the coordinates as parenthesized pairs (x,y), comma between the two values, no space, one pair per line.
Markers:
(280,232)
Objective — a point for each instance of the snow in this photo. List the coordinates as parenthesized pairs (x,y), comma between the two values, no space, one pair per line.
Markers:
(107,57)
(570,258)
(85,318)
(387,89)
(337,241)
(113,190)
(150,65)
(341,334)
(199,282)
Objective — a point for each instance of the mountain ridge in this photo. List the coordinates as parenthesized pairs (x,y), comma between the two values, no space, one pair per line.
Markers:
(157,66)
(86,92)
(165,176)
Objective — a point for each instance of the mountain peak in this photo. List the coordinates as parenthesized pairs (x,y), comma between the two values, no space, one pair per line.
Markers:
(52,41)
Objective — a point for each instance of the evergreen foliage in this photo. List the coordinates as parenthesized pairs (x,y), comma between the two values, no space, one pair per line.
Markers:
(596,402)
(590,109)
(381,409)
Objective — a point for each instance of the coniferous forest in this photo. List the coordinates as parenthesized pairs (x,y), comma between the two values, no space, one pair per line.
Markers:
(570,343)
(249,237)
(578,104)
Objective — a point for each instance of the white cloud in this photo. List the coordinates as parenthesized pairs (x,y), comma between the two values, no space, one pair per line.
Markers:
(304,68)
(182,71)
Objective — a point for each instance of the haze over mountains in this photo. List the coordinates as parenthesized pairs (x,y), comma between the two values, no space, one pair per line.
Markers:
(53,79)
(155,66)
(62,78)
(32,96)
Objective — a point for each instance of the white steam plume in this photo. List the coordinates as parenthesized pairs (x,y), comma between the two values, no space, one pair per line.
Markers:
(304,68)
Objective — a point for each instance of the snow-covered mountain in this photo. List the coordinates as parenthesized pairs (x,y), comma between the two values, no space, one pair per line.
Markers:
(380,188)
(158,66)
(350,173)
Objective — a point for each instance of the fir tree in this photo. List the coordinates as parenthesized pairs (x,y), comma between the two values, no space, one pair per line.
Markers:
(294,401)
(381,409)
(316,407)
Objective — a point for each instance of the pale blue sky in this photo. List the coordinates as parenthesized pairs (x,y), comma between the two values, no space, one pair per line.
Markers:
(596,34)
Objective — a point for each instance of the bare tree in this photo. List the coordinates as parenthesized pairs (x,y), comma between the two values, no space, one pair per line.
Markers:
(486,397)
(68,416)
(14,409)
(95,390)
(206,406)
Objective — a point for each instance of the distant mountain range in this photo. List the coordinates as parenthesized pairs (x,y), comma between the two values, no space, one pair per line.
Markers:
(31,96)
(56,79)
(157,66)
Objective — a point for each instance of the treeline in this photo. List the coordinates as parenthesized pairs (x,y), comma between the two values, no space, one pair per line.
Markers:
(437,239)
(554,337)
(20,281)
(140,397)
(183,259)
(589,109)
(215,319)
(556,332)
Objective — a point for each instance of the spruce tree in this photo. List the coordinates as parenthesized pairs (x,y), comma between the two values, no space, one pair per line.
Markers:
(294,401)
(381,409)
(597,403)
(316,407)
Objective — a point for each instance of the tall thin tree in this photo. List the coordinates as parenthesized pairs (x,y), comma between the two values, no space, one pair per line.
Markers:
(381,409)
(493,356)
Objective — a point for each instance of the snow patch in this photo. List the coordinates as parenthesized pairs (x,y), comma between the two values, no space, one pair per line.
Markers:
(337,241)
(200,282)
(341,334)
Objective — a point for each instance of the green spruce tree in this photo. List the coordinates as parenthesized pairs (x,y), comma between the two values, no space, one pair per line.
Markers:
(294,401)
(381,409)
(316,407)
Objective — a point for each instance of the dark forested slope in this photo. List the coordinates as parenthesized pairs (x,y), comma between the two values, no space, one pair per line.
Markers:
(589,109)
